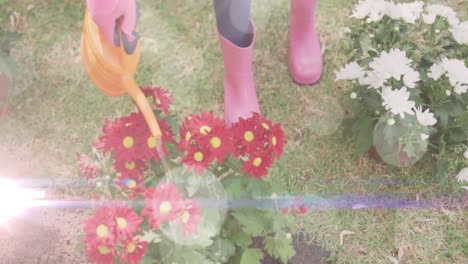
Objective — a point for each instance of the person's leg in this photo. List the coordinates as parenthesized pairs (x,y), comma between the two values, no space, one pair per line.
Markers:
(237,38)
(233,20)
(305,58)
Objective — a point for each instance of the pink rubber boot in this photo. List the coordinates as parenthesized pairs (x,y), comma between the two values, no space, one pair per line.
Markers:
(240,96)
(305,58)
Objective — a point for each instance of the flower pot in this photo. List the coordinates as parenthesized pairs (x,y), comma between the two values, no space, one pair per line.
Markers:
(4,88)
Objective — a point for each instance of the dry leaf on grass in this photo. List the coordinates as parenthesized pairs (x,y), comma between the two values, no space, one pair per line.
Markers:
(344,233)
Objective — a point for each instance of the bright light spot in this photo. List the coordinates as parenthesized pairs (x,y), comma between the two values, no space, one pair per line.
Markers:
(14,199)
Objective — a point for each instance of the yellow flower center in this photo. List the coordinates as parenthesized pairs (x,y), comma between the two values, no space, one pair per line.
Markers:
(102,231)
(121,223)
(130,165)
(257,162)
(215,142)
(185,217)
(128,142)
(266,126)
(131,247)
(132,184)
(158,102)
(103,250)
(188,135)
(198,156)
(165,207)
(273,140)
(248,136)
(151,142)
(204,130)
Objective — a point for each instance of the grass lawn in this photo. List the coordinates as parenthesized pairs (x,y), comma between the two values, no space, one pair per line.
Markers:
(57,112)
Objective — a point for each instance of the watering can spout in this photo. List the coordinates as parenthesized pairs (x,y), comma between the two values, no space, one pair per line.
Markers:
(112,70)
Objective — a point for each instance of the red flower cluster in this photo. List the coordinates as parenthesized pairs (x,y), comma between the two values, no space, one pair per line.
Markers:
(110,233)
(206,137)
(161,98)
(166,203)
(132,144)
(87,168)
(259,140)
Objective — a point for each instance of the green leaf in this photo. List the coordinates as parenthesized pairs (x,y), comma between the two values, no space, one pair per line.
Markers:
(252,221)
(241,239)
(191,256)
(280,248)
(251,256)
(456,135)
(222,250)
(363,134)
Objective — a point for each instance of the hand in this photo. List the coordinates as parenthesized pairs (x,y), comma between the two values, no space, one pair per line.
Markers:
(106,14)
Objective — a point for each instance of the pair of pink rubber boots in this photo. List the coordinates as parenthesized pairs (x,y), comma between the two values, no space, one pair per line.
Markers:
(305,62)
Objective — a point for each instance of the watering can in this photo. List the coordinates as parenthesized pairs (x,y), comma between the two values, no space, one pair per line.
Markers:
(112,70)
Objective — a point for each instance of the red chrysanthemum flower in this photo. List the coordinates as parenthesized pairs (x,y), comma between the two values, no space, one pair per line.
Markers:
(198,159)
(133,251)
(99,228)
(149,144)
(147,90)
(162,204)
(185,131)
(195,127)
(87,168)
(133,186)
(126,144)
(162,99)
(276,140)
(258,164)
(109,129)
(218,142)
(189,217)
(132,168)
(127,222)
(298,206)
(100,254)
(248,135)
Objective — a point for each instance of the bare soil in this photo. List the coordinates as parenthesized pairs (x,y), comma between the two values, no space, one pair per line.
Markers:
(43,236)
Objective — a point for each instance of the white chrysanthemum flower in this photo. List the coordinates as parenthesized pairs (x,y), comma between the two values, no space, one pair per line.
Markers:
(465,154)
(432,11)
(460,88)
(350,71)
(460,33)
(397,101)
(374,10)
(463,175)
(425,118)
(436,71)
(392,64)
(353,95)
(457,72)
(411,78)
(424,136)
(409,12)
(391,122)
(448,92)
(374,79)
